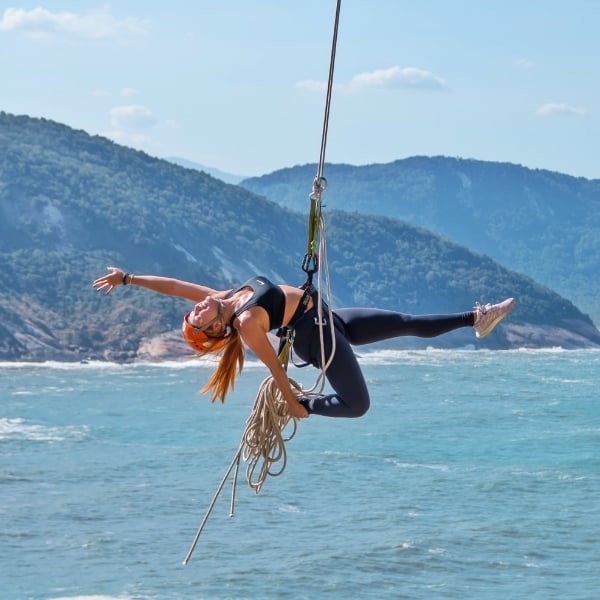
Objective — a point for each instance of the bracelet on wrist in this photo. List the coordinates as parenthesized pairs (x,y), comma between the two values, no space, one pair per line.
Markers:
(124,279)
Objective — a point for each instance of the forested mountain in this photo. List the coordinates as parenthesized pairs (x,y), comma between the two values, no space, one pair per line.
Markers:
(541,223)
(71,204)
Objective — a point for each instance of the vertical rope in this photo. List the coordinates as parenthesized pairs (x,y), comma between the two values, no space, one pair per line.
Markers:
(329,90)
(263,442)
(316,224)
(319,183)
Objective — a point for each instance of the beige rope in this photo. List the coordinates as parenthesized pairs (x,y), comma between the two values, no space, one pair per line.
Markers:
(263,441)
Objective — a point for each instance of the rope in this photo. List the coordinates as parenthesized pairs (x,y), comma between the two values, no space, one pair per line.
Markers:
(319,384)
(234,463)
(287,344)
(320,183)
(316,231)
(316,222)
(263,442)
(329,90)
(262,445)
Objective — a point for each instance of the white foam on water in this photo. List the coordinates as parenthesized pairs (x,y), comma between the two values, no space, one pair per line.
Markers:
(20,429)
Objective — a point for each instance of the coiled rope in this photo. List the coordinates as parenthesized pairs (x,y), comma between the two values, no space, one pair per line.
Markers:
(263,442)
(261,446)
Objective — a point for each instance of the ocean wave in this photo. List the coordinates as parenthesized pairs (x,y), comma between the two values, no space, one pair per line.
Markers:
(549,350)
(20,429)
(379,357)
(66,366)
(98,365)
(425,356)
(93,597)
(416,465)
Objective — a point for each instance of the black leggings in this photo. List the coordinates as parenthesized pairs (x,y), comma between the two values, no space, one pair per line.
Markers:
(358,326)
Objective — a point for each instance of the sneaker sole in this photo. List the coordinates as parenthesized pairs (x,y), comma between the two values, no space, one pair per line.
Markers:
(495,322)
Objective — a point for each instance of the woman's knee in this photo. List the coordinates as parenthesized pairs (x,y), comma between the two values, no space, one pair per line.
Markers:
(359,407)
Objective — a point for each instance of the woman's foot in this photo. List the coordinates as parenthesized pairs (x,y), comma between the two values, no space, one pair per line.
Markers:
(489,315)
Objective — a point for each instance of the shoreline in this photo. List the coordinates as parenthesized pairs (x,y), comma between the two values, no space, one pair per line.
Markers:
(251,362)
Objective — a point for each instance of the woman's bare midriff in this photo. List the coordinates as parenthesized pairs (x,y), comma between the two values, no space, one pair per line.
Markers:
(293,295)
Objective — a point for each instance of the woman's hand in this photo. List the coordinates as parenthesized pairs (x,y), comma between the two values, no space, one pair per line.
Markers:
(107,283)
(296,409)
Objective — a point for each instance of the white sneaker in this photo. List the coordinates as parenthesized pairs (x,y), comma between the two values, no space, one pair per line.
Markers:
(489,315)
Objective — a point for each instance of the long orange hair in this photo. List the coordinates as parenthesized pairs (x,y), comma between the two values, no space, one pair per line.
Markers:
(230,365)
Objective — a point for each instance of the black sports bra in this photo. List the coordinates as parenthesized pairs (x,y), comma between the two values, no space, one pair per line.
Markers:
(267,295)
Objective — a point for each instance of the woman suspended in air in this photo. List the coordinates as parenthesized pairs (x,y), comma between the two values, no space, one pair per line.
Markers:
(225,321)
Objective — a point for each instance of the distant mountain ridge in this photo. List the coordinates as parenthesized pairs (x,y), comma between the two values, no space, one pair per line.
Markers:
(541,223)
(217,173)
(71,204)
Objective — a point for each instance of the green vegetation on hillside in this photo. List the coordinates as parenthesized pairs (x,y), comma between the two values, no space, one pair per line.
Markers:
(543,224)
(71,204)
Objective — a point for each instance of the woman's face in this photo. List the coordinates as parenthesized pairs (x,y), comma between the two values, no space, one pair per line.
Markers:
(203,313)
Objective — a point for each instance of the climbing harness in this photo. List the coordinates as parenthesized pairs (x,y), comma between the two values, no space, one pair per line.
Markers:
(263,441)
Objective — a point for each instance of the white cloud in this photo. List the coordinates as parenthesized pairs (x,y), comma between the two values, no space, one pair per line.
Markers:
(128,91)
(132,116)
(552,110)
(97,24)
(396,78)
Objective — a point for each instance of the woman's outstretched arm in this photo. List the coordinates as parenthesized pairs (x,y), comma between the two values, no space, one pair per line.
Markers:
(161,285)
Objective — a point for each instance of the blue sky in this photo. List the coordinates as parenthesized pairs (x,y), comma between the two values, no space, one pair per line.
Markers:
(239,85)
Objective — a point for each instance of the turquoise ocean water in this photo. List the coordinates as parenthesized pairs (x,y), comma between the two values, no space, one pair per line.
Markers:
(474,475)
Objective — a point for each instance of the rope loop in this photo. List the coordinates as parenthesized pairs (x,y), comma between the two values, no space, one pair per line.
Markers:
(263,442)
